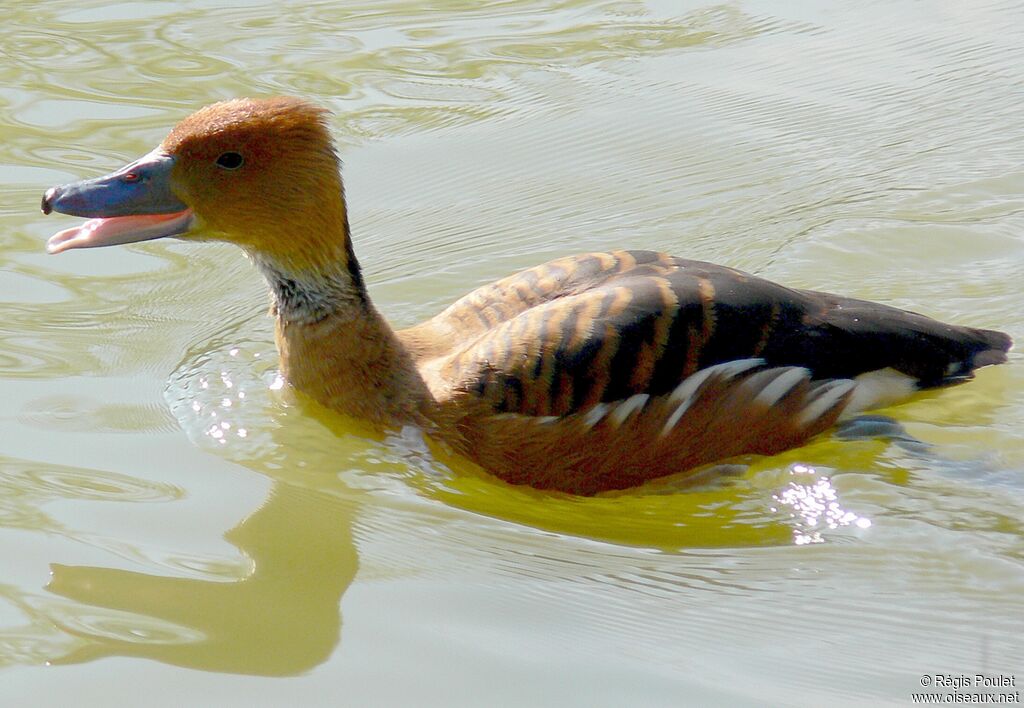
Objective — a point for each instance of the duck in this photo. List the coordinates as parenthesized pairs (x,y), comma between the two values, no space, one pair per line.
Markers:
(586,374)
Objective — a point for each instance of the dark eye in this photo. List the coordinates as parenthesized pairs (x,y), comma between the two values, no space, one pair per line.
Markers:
(230,161)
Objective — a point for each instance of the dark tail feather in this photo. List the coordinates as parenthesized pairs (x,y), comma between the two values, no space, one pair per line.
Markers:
(994,346)
(984,348)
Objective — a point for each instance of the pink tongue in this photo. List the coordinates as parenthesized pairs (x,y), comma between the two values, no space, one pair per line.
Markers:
(117,230)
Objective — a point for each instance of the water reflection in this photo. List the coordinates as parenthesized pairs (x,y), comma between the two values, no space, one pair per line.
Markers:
(275,609)
(282,618)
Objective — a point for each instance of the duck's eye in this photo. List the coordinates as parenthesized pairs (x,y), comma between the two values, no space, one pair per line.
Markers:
(230,161)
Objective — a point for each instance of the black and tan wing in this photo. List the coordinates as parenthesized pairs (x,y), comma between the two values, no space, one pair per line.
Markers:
(644,325)
(482,310)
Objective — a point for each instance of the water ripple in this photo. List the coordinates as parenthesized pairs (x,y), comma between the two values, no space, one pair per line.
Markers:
(870,149)
(27,486)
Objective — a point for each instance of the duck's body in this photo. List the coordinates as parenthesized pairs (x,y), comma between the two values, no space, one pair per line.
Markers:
(585,374)
(605,370)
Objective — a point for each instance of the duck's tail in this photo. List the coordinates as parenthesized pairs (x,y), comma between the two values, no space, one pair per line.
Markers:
(992,348)
(980,347)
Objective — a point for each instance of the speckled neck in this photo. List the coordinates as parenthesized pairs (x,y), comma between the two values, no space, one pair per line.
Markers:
(336,348)
(308,297)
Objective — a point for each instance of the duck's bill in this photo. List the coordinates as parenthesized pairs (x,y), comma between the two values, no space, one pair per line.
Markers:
(134,204)
(116,230)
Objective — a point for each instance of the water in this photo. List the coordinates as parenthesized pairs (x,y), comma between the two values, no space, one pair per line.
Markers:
(171,518)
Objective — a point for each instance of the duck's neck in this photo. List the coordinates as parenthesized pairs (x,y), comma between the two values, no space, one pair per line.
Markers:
(335,346)
(311,294)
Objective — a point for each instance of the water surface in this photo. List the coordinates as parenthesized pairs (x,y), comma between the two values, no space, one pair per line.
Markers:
(172,519)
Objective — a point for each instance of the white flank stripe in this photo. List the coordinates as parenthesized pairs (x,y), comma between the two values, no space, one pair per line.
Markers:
(624,409)
(685,392)
(674,418)
(827,397)
(783,384)
(689,386)
(594,415)
(880,388)
(727,370)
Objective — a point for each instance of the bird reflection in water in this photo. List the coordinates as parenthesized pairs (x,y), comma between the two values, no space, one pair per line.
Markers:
(283,618)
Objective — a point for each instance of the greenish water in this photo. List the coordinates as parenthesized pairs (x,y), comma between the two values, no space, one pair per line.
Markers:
(165,538)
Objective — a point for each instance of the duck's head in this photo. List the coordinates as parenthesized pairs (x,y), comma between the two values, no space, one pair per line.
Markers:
(262,174)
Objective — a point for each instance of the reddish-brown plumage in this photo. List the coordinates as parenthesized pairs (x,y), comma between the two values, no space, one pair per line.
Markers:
(584,374)
(572,454)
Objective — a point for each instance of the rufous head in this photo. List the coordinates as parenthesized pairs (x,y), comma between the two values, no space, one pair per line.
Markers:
(260,173)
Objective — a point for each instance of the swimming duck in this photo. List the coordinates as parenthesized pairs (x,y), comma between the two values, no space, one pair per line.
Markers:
(585,374)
